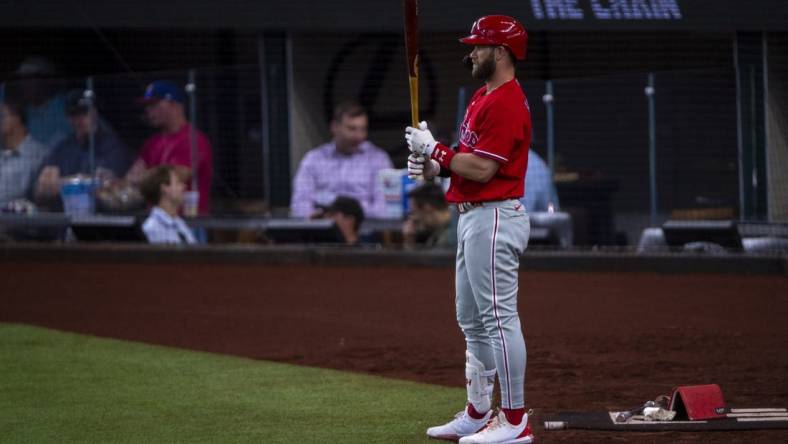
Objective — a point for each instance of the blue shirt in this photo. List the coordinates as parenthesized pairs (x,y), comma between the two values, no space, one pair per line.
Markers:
(48,122)
(73,156)
(161,228)
(540,193)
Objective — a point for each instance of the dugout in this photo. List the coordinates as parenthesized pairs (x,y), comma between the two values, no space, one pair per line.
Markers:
(268,75)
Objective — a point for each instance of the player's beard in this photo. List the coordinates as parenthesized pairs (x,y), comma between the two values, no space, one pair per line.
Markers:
(484,69)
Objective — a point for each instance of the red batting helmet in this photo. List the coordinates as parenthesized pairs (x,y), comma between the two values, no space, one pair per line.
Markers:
(499,30)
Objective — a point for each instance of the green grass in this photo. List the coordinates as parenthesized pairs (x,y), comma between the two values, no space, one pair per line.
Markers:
(62,387)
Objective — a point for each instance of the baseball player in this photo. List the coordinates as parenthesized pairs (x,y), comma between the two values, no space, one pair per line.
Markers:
(487,174)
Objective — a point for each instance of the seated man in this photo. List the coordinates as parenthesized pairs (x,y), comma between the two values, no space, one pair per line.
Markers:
(164,110)
(431,222)
(348,215)
(163,189)
(21,156)
(72,157)
(347,166)
(540,193)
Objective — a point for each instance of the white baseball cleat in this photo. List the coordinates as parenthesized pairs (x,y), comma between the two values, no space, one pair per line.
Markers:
(461,425)
(499,431)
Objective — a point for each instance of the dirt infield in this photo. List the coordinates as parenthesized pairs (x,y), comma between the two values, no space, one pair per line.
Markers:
(595,341)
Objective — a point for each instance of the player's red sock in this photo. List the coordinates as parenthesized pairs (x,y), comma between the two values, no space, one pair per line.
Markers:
(473,413)
(514,416)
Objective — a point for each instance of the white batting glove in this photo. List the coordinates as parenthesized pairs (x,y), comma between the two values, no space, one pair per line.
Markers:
(416,166)
(420,140)
(419,167)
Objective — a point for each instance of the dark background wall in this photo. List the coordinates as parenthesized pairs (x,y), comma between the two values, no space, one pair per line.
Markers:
(599,78)
(328,52)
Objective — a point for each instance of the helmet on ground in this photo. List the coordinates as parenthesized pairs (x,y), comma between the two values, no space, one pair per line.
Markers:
(499,30)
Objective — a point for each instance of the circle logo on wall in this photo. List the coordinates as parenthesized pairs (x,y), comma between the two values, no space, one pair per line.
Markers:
(372,70)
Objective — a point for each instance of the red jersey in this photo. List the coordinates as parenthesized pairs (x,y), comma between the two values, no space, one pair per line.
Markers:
(175,149)
(496,126)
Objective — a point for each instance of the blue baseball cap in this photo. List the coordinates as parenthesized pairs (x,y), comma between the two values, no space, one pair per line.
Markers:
(162,90)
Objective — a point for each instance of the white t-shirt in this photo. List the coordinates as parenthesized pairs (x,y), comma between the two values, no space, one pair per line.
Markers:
(160,228)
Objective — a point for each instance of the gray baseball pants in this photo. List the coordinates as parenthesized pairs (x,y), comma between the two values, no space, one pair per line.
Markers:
(491,239)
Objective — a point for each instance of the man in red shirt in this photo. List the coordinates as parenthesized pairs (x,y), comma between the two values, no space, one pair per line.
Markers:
(164,110)
(487,179)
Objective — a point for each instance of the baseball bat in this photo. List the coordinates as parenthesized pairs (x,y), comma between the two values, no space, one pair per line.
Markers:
(411,8)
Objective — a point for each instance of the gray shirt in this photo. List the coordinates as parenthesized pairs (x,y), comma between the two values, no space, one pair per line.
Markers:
(18,168)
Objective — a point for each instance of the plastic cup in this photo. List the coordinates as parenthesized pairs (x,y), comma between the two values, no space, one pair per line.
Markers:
(77,195)
(191,202)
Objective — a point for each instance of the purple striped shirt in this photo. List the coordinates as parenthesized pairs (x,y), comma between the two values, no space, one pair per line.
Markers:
(325,174)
